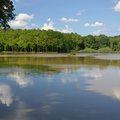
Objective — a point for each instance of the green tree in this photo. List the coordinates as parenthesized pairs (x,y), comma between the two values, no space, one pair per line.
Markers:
(103,41)
(90,42)
(6,13)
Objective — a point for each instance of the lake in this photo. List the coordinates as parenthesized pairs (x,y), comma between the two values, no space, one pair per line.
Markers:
(60,88)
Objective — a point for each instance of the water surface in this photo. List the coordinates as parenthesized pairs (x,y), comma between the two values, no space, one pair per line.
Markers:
(63,88)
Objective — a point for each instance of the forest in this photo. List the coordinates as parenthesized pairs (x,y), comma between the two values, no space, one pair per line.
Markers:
(53,41)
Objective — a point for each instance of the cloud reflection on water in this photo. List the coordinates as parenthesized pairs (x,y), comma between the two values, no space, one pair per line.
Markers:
(21,79)
(107,83)
(6,96)
(102,81)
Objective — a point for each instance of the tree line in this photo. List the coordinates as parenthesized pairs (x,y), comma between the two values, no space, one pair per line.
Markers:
(54,41)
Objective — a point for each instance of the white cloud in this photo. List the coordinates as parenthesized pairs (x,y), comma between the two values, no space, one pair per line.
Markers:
(24,16)
(96,24)
(49,19)
(6,96)
(49,25)
(67,29)
(21,20)
(99,32)
(16,23)
(63,19)
(117,7)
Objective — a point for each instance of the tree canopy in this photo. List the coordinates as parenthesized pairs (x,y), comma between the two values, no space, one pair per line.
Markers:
(6,13)
(54,41)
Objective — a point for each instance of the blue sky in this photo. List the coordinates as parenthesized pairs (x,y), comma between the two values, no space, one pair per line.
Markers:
(81,16)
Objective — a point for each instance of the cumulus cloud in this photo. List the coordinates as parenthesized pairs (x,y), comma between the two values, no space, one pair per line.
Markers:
(63,19)
(50,25)
(21,20)
(96,24)
(24,16)
(6,96)
(117,7)
(16,23)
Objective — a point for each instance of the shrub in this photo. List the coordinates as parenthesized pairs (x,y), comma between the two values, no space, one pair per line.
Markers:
(88,50)
(105,50)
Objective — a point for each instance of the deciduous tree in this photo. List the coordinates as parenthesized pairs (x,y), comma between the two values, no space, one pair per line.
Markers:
(6,13)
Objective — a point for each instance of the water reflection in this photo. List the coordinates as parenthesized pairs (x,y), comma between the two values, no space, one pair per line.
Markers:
(92,73)
(80,91)
(21,112)
(6,96)
(52,100)
(20,78)
(106,83)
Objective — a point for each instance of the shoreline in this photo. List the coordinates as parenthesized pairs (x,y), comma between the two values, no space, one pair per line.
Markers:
(103,56)
(33,55)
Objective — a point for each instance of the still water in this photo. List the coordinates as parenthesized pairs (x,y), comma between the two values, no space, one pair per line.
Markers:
(68,88)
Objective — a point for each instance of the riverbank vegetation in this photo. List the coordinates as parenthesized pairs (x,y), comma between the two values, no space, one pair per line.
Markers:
(54,41)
